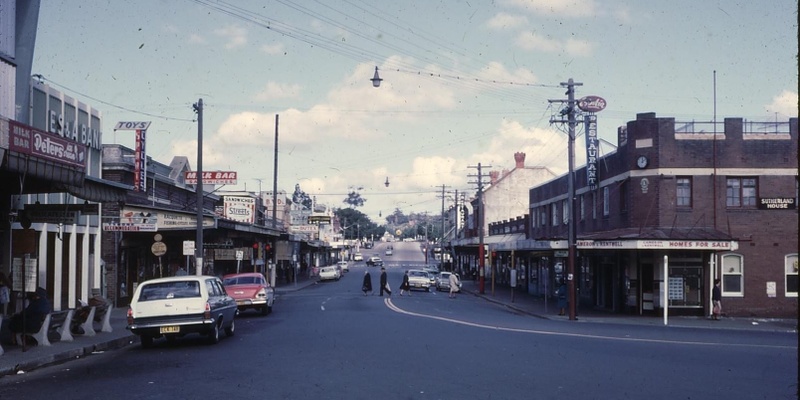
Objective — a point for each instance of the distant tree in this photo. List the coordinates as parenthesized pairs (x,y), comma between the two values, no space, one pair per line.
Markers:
(354,199)
(300,197)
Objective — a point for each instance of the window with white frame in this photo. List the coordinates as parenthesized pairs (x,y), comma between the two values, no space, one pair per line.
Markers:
(791,275)
(684,192)
(565,212)
(732,275)
(555,213)
(606,208)
(741,192)
(542,216)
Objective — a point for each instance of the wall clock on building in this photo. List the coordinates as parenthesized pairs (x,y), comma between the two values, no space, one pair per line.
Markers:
(641,162)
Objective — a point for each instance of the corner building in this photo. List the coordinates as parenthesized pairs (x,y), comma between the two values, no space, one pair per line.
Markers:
(704,201)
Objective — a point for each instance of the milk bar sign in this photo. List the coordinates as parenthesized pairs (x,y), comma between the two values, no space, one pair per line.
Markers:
(212,177)
(776,203)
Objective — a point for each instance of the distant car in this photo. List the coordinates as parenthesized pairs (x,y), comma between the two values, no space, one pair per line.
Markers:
(180,305)
(344,266)
(251,291)
(374,261)
(388,252)
(443,281)
(358,257)
(419,279)
(330,272)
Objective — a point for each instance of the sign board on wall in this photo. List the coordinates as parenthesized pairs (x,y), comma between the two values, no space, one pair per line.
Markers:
(240,208)
(776,203)
(28,140)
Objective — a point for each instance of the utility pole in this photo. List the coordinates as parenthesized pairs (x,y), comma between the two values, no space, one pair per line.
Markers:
(441,240)
(198,249)
(570,112)
(480,214)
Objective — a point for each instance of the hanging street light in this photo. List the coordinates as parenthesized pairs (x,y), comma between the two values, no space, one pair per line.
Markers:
(376,80)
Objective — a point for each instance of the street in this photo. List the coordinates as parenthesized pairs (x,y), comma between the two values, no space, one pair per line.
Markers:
(329,341)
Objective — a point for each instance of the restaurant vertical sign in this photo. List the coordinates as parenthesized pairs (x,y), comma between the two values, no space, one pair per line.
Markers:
(140,154)
(591,105)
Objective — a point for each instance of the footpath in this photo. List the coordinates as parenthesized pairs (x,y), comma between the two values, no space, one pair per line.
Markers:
(16,360)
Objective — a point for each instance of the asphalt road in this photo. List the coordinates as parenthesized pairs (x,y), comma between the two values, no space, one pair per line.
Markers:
(329,341)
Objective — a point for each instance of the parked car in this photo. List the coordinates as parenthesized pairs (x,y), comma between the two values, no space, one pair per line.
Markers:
(358,257)
(419,279)
(251,291)
(388,252)
(374,261)
(330,272)
(343,265)
(433,272)
(180,305)
(443,281)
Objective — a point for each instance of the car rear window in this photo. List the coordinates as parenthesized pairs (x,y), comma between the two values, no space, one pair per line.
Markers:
(169,290)
(416,273)
(242,280)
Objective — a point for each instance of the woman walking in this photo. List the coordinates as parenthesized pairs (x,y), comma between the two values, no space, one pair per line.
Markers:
(366,286)
(404,286)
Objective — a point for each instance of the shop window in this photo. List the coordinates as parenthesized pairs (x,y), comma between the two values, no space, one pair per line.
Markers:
(732,275)
(791,275)
(741,192)
(542,216)
(684,192)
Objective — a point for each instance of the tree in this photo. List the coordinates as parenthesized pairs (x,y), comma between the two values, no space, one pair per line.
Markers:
(300,197)
(354,199)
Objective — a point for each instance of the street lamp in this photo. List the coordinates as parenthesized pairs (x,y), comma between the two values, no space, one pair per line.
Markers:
(376,82)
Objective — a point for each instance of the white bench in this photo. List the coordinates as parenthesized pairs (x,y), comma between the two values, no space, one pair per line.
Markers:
(61,321)
(41,336)
(88,325)
(105,325)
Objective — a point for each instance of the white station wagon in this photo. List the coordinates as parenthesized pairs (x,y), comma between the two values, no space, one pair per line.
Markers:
(180,305)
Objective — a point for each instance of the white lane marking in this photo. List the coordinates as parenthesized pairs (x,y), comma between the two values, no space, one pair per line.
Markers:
(396,309)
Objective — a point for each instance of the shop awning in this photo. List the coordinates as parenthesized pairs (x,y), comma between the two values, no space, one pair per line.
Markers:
(95,189)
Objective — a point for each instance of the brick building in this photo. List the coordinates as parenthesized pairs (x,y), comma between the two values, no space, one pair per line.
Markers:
(699,201)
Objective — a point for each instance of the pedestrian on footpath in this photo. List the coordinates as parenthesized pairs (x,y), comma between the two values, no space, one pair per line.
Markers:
(716,299)
(404,286)
(562,297)
(5,294)
(366,286)
(385,283)
(453,279)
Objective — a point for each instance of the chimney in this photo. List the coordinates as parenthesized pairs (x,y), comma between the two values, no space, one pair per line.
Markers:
(493,175)
(519,157)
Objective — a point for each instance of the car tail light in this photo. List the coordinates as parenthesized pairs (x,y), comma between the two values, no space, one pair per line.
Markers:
(130,316)
(207,313)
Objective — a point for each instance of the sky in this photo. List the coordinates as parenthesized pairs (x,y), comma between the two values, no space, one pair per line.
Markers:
(464,82)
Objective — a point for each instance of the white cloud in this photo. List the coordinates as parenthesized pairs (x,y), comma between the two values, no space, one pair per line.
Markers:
(196,39)
(503,21)
(274,90)
(563,8)
(495,71)
(532,41)
(273,48)
(784,104)
(235,35)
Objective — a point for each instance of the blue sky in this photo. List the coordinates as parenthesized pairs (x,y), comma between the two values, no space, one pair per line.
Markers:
(465,82)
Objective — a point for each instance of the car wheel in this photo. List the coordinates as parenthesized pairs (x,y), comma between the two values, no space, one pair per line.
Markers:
(231,330)
(147,341)
(213,335)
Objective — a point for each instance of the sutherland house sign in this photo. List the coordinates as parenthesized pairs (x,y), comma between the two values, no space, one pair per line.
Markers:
(776,203)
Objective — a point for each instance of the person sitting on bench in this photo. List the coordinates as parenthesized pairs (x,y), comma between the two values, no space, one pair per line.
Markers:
(100,305)
(33,315)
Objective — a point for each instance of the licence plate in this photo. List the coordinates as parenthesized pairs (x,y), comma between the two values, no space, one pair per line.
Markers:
(170,329)
(243,302)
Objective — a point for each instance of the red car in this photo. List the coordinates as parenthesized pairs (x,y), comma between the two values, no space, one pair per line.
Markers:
(251,291)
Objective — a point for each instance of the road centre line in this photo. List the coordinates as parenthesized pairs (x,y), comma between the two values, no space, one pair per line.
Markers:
(393,307)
